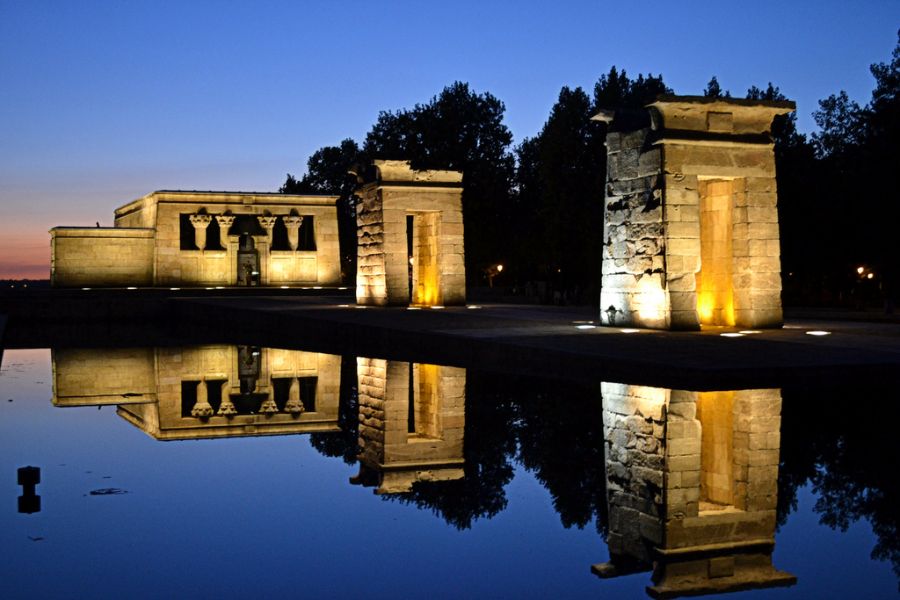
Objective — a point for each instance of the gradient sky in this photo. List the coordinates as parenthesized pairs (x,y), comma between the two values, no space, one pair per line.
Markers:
(103,102)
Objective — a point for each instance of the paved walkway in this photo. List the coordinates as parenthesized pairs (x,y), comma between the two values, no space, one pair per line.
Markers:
(558,341)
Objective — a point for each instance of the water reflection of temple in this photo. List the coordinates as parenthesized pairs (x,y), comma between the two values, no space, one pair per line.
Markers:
(204,391)
(692,488)
(411,422)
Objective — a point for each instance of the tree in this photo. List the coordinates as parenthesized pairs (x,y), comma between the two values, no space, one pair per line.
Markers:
(713,90)
(327,173)
(560,183)
(461,130)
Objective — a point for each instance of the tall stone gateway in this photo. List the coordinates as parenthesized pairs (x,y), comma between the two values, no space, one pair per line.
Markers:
(409,236)
(692,488)
(690,232)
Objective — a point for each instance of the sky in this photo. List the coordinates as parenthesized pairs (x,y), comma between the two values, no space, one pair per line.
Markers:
(104,102)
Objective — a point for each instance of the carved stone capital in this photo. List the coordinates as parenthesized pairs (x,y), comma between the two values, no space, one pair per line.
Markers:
(292,221)
(267,222)
(225,221)
(200,221)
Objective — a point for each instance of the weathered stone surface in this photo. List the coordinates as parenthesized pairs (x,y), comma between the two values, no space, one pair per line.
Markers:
(663,182)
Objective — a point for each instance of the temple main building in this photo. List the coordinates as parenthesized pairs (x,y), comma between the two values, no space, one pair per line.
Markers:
(177,238)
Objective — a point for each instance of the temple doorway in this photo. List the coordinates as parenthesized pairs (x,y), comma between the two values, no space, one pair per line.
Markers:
(422,230)
(715,290)
(247,261)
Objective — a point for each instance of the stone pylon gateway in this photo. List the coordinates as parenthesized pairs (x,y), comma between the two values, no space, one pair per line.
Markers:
(409,236)
(690,233)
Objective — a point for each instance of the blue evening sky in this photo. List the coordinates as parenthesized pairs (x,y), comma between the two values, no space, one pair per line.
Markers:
(103,102)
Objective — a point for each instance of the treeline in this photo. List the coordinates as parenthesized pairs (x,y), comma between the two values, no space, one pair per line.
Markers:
(537,208)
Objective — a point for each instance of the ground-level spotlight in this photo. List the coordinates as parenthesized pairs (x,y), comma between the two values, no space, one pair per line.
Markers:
(750,331)
(630,330)
(732,335)
(818,332)
(585,326)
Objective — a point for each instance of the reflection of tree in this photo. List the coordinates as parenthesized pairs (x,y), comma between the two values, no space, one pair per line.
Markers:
(561,440)
(848,463)
(346,443)
(488,446)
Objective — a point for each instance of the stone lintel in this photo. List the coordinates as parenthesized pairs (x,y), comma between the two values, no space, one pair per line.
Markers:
(716,116)
(103,232)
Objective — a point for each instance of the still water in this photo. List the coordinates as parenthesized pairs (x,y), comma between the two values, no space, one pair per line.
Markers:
(235,471)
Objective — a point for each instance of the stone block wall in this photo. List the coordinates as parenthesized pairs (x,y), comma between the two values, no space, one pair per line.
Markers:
(662,510)
(657,177)
(634,431)
(433,199)
(171,366)
(100,257)
(144,248)
(434,449)
(634,236)
(90,377)
(212,267)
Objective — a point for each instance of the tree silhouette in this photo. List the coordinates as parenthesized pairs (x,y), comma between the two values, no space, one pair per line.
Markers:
(327,173)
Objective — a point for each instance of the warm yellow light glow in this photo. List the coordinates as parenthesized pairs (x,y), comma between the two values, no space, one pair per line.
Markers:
(131,288)
(317,287)
(870,276)
(818,332)
(585,327)
(343,306)
(650,303)
(414,308)
(209,288)
(174,289)
(472,306)
(219,287)
(437,307)
(732,335)
(715,411)
(715,295)
(285,287)
(860,270)
(81,288)
(499,268)
(630,330)
(343,288)
(750,331)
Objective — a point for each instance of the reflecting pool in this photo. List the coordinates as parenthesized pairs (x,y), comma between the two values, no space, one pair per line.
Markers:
(243,470)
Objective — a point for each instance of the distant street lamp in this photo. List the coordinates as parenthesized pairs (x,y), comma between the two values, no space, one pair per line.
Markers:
(492,272)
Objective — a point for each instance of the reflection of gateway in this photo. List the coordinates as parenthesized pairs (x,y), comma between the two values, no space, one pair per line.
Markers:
(411,422)
(206,391)
(692,488)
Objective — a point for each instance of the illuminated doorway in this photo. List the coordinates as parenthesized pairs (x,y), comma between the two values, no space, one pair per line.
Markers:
(422,246)
(715,411)
(715,291)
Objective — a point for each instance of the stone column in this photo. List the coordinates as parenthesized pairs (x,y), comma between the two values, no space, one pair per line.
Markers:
(268,406)
(267,223)
(294,404)
(226,408)
(200,223)
(293,224)
(225,223)
(202,407)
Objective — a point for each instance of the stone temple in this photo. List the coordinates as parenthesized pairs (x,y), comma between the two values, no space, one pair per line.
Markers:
(409,236)
(177,238)
(690,232)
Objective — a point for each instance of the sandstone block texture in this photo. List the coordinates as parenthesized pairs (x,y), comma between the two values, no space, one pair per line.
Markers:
(690,224)
(174,238)
(410,245)
(220,376)
(692,487)
(402,444)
